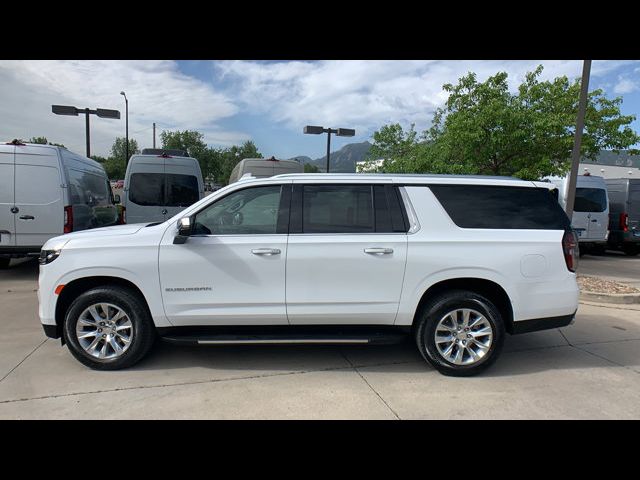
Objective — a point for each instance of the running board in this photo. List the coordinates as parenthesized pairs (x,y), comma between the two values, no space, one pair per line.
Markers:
(288,338)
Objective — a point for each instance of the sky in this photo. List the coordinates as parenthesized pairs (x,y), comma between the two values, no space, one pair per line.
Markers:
(268,102)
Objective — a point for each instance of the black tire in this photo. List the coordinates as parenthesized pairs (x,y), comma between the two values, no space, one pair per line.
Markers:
(631,250)
(438,307)
(127,300)
(4,263)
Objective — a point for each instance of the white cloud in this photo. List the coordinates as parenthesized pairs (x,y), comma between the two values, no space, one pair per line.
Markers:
(367,94)
(625,85)
(157,92)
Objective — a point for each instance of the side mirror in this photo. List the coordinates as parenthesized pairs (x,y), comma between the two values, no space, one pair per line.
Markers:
(185,228)
(116,198)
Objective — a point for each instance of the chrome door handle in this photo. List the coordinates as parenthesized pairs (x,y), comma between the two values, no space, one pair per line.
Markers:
(383,251)
(266,251)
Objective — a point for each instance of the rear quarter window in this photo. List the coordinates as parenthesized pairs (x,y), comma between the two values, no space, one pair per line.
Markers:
(500,207)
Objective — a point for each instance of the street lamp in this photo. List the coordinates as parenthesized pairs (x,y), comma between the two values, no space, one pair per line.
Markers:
(340,132)
(74,111)
(126,106)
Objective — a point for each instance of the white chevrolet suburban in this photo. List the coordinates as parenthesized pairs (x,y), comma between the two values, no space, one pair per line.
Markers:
(454,261)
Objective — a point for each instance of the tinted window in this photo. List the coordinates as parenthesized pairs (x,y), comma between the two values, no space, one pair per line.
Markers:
(182,190)
(337,209)
(246,212)
(590,200)
(474,206)
(147,189)
(634,196)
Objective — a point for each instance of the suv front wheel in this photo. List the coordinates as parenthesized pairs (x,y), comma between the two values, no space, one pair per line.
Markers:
(460,333)
(108,328)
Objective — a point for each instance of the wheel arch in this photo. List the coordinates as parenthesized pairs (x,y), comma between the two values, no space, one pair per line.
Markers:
(77,287)
(487,288)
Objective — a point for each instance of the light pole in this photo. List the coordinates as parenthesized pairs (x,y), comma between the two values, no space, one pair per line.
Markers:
(340,132)
(126,106)
(570,194)
(74,111)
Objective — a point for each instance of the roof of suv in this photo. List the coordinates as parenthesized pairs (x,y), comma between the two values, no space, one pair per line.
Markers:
(418,179)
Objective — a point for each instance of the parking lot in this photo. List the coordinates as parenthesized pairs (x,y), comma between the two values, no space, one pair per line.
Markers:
(590,369)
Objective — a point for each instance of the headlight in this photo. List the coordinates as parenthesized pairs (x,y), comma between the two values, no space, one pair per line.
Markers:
(48,256)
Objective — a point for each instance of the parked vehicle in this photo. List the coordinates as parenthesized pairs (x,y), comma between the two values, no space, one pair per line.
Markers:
(590,217)
(624,216)
(45,191)
(159,184)
(263,168)
(456,262)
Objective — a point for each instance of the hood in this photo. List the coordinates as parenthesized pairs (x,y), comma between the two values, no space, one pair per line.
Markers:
(57,243)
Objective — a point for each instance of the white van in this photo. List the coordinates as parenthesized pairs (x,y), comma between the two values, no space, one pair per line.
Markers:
(263,168)
(46,191)
(159,184)
(590,212)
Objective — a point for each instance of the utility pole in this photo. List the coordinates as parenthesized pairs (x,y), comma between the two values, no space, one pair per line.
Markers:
(154,134)
(570,193)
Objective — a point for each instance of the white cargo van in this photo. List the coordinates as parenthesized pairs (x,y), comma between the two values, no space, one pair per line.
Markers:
(263,168)
(45,191)
(590,211)
(159,184)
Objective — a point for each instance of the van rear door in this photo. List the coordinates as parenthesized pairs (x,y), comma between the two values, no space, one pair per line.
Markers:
(38,195)
(182,185)
(633,209)
(591,213)
(7,199)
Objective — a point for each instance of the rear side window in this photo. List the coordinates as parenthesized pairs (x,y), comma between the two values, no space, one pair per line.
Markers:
(337,209)
(634,196)
(590,200)
(498,207)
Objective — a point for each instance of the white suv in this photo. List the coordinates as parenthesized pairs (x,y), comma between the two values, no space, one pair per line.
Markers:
(334,259)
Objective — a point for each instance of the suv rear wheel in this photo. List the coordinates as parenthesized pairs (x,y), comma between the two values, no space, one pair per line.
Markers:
(108,328)
(460,333)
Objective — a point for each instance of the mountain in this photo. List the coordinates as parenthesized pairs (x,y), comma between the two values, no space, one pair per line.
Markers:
(343,160)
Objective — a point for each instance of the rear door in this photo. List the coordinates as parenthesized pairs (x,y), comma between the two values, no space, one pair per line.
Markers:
(38,195)
(182,185)
(7,199)
(592,213)
(633,209)
(145,187)
(346,256)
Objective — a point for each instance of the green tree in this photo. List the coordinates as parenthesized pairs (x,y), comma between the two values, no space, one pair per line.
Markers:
(193,143)
(311,168)
(44,141)
(119,149)
(483,128)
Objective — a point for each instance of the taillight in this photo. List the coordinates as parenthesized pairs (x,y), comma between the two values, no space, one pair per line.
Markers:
(68,219)
(624,222)
(570,250)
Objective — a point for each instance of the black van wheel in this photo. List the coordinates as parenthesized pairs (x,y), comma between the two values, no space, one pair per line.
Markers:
(631,250)
(108,328)
(4,262)
(460,333)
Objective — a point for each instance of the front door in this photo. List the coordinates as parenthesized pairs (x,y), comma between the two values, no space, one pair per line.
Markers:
(231,271)
(346,256)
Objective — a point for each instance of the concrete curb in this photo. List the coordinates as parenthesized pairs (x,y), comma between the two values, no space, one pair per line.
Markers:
(621,298)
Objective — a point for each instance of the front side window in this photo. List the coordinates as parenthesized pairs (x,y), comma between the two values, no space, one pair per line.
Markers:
(590,200)
(251,211)
(337,209)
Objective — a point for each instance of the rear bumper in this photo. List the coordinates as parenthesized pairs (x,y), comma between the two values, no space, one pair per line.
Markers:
(537,324)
